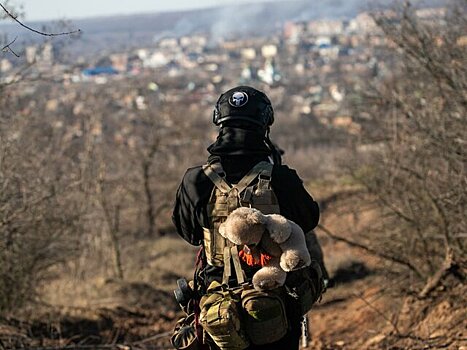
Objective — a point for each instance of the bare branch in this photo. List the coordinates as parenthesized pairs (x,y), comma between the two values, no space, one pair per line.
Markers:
(373,251)
(436,279)
(327,201)
(7,48)
(154,337)
(35,30)
(392,323)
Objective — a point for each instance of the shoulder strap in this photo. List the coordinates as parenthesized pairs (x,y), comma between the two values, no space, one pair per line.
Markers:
(216,173)
(212,171)
(262,169)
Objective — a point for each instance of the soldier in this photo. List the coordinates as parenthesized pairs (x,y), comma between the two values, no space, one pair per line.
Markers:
(244,115)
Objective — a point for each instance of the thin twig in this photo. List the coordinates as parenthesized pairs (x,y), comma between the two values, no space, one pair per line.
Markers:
(384,290)
(379,313)
(82,347)
(7,48)
(34,30)
(154,337)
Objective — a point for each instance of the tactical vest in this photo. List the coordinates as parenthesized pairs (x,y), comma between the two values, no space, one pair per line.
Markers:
(264,315)
(253,190)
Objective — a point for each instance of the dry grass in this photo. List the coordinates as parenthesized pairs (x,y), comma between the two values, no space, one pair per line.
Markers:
(157,263)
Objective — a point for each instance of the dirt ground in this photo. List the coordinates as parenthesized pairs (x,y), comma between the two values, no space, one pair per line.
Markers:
(366,314)
(367,309)
(364,310)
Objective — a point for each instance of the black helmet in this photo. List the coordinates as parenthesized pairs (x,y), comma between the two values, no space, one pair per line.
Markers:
(246,104)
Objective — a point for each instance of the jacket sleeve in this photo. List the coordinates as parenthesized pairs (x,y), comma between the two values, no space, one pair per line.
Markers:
(295,202)
(184,217)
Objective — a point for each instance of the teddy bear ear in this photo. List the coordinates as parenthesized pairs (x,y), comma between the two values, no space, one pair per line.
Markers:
(255,217)
(279,228)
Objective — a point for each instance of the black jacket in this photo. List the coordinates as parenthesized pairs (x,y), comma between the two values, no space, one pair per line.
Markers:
(190,215)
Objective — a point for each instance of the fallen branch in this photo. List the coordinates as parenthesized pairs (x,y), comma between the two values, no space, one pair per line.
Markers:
(442,272)
(83,347)
(154,337)
(99,347)
(392,258)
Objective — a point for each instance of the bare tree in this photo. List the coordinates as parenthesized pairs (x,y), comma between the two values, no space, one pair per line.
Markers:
(157,132)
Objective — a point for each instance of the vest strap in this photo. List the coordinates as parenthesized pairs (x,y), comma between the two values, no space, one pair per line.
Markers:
(262,170)
(217,167)
(231,253)
(217,180)
(238,267)
(227,270)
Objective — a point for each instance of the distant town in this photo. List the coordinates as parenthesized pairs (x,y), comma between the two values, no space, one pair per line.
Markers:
(316,61)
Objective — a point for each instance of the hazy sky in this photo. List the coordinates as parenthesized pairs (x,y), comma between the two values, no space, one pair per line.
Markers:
(67,9)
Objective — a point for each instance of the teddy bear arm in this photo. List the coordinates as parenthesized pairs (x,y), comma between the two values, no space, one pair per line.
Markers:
(270,276)
(294,259)
(295,252)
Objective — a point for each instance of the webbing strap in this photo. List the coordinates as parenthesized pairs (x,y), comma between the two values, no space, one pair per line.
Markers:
(218,181)
(227,271)
(237,266)
(215,172)
(262,168)
(217,167)
(232,253)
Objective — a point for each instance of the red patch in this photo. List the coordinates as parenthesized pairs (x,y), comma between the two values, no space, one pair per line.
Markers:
(251,261)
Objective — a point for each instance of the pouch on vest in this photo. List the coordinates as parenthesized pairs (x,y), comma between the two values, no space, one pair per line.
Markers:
(264,316)
(220,317)
(305,287)
(184,336)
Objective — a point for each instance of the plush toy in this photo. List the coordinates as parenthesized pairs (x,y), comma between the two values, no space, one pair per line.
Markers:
(272,241)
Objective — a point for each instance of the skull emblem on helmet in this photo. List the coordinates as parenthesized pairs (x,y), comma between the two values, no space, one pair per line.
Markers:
(238,99)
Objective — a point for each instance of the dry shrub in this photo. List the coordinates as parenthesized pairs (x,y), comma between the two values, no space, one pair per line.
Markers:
(39,206)
(414,143)
(79,183)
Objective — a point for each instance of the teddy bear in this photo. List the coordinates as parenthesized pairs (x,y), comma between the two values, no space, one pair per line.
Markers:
(273,236)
